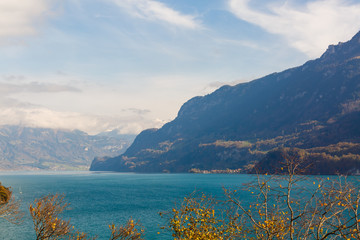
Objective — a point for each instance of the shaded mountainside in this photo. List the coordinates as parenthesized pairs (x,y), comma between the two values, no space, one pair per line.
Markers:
(23,148)
(316,104)
(333,159)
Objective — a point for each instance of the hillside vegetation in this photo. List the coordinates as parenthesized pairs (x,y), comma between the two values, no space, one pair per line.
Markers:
(307,107)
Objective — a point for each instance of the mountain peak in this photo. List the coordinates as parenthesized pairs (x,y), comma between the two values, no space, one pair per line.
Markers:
(356,37)
(342,52)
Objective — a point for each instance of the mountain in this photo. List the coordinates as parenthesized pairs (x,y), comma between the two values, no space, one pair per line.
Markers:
(23,148)
(313,105)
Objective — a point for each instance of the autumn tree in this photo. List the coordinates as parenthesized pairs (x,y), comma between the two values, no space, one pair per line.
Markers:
(48,223)
(284,206)
(130,231)
(201,217)
(290,206)
(9,207)
(45,213)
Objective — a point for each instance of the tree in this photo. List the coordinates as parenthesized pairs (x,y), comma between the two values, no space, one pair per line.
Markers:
(9,207)
(289,206)
(45,213)
(284,206)
(48,224)
(199,217)
(128,231)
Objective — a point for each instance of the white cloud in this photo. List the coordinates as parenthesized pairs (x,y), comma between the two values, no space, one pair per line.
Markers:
(17,78)
(19,105)
(309,28)
(157,11)
(19,18)
(240,43)
(137,111)
(35,116)
(35,87)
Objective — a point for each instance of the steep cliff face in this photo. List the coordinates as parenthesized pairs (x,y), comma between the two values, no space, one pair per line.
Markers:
(301,105)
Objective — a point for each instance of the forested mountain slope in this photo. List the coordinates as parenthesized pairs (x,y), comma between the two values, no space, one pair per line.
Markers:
(313,105)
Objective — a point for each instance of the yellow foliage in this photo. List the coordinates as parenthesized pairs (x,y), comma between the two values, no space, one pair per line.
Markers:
(45,215)
(129,231)
(197,218)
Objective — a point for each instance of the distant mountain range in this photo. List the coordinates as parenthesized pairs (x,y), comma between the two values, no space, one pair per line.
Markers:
(236,127)
(23,148)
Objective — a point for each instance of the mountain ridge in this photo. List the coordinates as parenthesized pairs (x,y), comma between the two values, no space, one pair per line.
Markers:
(303,102)
(26,148)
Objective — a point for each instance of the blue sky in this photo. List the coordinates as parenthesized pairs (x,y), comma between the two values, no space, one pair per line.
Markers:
(98,65)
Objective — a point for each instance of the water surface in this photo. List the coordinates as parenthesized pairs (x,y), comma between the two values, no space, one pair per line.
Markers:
(99,199)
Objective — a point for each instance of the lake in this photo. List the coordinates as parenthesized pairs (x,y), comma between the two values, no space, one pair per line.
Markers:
(100,199)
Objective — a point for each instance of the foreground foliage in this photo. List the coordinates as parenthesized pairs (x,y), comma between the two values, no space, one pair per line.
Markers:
(45,215)
(198,218)
(130,231)
(289,206)
(48,224)
(9,207)
(284,206)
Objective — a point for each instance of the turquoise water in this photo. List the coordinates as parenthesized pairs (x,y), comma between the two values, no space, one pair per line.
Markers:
(99,199)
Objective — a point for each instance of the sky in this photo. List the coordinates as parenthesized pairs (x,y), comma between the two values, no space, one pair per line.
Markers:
(129,65)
